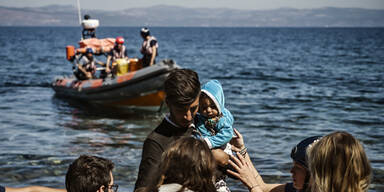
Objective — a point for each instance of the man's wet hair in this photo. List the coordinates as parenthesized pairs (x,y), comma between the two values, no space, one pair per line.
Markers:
(88,174)
(182,87)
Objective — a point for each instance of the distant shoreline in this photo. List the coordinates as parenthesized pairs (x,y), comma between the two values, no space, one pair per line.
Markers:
(224,27)
(173,16)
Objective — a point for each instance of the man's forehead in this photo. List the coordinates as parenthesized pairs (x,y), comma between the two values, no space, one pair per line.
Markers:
(187,106)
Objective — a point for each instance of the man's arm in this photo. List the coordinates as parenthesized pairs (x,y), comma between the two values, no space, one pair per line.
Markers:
(154,52)
(34,189)
(126,54)
(86,73)
(99,62)
(246,171)
(149,165)
(107,69)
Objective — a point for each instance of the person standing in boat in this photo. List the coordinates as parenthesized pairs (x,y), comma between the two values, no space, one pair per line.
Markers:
(119,51)
(182,89)
(88,32)
(149,48)
(86,67)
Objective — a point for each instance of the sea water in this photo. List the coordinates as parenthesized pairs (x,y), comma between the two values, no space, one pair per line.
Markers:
(281,84)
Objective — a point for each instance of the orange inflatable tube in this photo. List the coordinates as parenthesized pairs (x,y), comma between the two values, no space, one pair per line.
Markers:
(70,52)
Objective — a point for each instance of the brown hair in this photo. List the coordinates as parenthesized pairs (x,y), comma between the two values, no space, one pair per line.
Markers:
(338,163)
(182,87)
(188,162)
(88,174)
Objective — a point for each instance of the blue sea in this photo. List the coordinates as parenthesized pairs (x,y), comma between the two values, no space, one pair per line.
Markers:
(281,84)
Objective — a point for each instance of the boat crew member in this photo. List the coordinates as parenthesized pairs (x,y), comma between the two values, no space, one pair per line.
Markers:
(86,67)
(149,48)
(119,51)
(88,32)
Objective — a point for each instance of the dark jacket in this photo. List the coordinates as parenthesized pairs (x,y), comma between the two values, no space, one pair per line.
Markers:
(154,146)
(289,187)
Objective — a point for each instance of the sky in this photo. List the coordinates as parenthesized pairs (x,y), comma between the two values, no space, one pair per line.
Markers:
(236,4)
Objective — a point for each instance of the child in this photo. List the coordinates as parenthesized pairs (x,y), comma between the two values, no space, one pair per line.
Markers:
(214,121)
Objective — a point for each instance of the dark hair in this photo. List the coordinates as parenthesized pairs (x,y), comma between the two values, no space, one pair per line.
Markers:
(299,152)
(188,162)
(88,174)
(86,17)
(144,32)
(182,87)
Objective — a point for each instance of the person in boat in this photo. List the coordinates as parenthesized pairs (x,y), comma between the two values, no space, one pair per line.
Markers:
(86,66)
(182,89)
(149,48)
(214,124)
(247,173)
(187,165)
(119,51)
(88,32)
(90,173)
(338,162)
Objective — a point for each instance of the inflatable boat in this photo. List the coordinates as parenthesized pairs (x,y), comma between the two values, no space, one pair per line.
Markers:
(140,88)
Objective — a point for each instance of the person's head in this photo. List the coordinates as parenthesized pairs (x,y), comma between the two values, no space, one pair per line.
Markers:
(182,89)
(90,174)
(86,17)
(188,162)
(207,106)
(89,53)
(119,42)
(338,163)
(144,32)
(212,99)
(299,170)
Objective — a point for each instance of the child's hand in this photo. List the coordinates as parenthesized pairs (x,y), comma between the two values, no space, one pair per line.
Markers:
(237,142)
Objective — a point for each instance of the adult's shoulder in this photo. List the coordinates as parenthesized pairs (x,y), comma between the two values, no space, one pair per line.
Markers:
(160,135)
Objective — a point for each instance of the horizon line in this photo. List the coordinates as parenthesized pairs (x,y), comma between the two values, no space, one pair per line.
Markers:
(177,6)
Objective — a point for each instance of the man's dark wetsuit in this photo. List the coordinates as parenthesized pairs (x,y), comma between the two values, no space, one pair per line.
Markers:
(289,187)
(154,146)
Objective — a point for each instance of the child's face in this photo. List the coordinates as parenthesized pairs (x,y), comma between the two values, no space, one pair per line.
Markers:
(298,174)
(208,108)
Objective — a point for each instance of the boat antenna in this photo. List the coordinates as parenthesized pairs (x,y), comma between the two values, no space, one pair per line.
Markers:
(78,11)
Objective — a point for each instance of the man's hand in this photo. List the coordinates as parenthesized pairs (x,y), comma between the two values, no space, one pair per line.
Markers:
(89,75)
